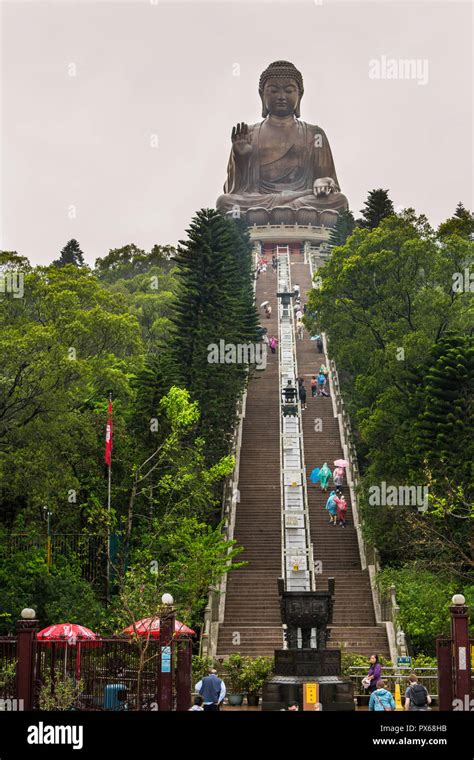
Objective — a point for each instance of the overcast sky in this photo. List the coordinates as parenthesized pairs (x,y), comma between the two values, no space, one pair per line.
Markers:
(89,88)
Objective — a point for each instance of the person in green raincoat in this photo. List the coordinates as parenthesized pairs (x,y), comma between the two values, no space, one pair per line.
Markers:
(324,475)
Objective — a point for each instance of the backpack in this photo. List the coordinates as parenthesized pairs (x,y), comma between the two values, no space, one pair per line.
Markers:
(418,695)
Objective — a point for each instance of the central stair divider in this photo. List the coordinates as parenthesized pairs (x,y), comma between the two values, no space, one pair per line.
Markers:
(297,553)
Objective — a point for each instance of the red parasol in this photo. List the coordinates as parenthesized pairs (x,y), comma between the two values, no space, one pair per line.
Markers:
(152,625)
(69,634)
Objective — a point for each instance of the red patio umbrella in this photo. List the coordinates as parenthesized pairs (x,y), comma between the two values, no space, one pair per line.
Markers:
(152,625)
(69,634)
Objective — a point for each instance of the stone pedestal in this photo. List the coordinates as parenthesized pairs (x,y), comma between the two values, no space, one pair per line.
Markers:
(294,667)
(306,616)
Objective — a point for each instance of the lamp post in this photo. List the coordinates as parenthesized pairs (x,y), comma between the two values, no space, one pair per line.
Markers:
(167,625)
(461,658)
(47,516)
(26,629)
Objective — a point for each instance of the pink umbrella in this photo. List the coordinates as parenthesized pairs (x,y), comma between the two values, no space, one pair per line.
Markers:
(152,625)
(69,634)
(341,463)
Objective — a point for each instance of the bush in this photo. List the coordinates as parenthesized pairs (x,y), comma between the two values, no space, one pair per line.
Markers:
(424,661)
(58,594)
(254,673)
(62,695)
(424,599)
(234,666)
(349,661)
(201,667)
(7,679)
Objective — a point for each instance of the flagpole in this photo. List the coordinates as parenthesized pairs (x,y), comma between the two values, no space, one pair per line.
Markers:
(109,493)
(109,503)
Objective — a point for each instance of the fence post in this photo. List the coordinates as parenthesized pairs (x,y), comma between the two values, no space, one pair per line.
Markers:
(444,657)
(183,674)
(26,629)
(461,648)
(165,694)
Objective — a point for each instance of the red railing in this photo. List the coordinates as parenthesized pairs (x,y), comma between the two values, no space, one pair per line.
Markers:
(109,674)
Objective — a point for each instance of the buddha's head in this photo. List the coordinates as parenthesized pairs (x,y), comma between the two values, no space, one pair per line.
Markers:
(281,89)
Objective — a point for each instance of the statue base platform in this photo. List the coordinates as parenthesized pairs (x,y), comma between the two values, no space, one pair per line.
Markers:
(284,234)
(295,667)
(286,215)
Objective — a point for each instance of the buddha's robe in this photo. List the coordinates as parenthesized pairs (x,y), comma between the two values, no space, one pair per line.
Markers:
(299,157)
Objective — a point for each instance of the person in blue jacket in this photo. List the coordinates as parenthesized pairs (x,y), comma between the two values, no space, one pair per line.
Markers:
(381,699)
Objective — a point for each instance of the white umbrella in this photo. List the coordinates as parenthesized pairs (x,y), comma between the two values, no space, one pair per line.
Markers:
(264,304)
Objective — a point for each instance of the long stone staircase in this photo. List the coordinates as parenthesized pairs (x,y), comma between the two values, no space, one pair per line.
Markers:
(354,626)
(252,623)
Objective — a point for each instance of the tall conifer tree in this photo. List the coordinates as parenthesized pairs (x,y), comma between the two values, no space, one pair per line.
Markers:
(377,206)
(70,254)
(214,309)
(344,227)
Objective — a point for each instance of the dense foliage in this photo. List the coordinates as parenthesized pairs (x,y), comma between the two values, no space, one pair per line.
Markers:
(215,305)
(424,597)
(132,327)
(400,328)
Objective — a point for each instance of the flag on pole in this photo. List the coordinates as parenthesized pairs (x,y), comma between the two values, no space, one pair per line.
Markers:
(108,436)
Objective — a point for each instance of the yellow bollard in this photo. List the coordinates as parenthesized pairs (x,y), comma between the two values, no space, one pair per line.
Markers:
(398,698)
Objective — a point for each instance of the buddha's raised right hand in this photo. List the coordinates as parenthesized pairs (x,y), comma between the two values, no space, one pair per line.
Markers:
(241,140)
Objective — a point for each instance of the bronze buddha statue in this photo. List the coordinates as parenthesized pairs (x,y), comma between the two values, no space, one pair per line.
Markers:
(281,169)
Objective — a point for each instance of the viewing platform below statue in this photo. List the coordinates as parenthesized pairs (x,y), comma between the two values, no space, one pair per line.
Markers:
(301,239)
(290,233)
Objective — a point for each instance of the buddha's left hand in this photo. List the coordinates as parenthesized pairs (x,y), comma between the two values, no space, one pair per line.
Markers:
(323,186)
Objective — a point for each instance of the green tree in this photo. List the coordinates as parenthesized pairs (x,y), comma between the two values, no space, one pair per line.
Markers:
(424,598)
(58,594)
(344,227)
(147,281)
(70,254)
(388,307)
(461,224)
(214,304)
(64,346)
(11,260)
(183,558)
(173,478)
(129,261)
(377,206)
(443,431)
